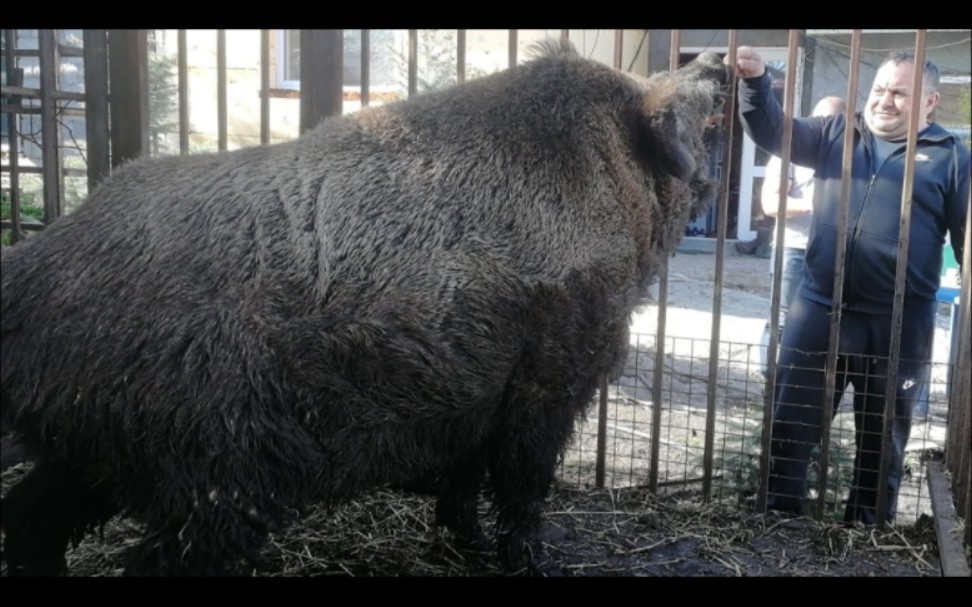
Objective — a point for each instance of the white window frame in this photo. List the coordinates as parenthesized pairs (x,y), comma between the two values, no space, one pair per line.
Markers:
(282,61)
(749,170)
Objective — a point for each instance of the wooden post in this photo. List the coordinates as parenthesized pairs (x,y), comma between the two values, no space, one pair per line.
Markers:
(128,98)
(96,105)
(321,76)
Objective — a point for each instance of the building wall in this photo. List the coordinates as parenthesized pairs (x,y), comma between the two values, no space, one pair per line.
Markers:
(950,51)
(486,52)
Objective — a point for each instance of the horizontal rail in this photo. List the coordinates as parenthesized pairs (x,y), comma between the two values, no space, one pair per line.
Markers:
(35,226)
(26,91)
(69,172)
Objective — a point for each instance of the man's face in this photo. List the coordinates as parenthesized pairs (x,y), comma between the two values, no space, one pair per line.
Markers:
(890,103)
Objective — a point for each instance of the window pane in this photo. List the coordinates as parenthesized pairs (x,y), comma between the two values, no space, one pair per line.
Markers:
(292,58)
(384,50)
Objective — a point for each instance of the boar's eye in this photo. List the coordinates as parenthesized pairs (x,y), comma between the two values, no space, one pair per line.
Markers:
(666,143)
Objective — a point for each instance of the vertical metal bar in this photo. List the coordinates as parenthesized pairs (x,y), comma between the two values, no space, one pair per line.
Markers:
(221,102)
(96,105)
(618,41)
(564,35)
(768,396)
(656,46)
(183,72)
(264,87)
(897,313)
(788,109)
(830,377)
(321,76)
(599,464)
(675,50)
(511,51)
(365,67)
(128,94)
(412,62)
(715,338)
(659,372)
(16,231)
(53,206)
(771,351)
(647,45)
(658,375)
(461,56)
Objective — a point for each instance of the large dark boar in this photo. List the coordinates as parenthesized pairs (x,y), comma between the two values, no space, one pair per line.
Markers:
(211,343)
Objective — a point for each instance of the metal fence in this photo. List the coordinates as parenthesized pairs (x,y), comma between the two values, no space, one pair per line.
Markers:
(690,414)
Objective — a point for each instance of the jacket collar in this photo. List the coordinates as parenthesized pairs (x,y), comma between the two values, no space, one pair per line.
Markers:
(934,132)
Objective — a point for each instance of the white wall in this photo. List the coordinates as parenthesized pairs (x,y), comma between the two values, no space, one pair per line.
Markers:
(486,52)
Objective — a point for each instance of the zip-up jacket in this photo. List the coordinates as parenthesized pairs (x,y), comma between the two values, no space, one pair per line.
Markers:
(940,202)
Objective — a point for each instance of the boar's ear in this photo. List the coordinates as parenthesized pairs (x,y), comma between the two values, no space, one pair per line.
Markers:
(662,135)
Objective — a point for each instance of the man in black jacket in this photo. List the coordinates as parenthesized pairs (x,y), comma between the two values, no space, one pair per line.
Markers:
(940,204)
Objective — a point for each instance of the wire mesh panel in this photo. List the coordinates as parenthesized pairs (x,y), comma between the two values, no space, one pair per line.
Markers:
(740,386)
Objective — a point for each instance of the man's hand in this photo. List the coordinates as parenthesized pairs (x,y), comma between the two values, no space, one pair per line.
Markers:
(749,63)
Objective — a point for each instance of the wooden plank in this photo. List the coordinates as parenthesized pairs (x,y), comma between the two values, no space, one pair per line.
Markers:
(950,550)
(968,505)
(96,105)
(957,453)
(963,479)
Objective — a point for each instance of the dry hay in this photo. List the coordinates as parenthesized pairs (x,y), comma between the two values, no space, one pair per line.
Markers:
(585,532)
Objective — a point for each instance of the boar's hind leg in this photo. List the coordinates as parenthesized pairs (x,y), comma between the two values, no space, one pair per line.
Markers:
(522,465)
(51,506)
(457,507)
(209,535)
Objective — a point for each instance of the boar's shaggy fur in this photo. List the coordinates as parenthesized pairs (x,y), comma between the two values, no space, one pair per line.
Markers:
(211,343)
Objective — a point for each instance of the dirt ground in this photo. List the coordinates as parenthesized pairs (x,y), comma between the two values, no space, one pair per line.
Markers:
(584,533)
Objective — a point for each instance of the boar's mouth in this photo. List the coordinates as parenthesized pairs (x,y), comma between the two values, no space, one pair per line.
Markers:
(704,185)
